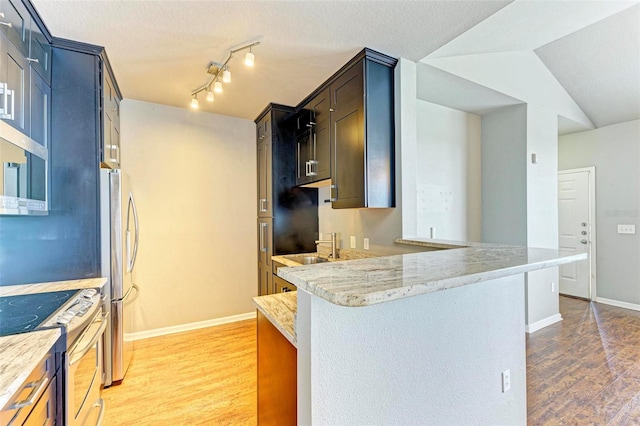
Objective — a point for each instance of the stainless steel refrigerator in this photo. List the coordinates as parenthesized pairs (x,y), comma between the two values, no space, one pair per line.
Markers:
(119,244)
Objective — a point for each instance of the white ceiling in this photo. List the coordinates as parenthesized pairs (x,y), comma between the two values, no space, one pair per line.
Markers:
(160,49)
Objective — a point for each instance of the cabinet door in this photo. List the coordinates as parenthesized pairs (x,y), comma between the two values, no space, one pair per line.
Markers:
(265,204)
(14,22)
(111,123)
(347,126)
(321,136)
(14,76)
(40,53)
(265,251)
(40,94)
(304,155)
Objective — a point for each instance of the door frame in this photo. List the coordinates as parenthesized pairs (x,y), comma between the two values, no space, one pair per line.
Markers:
(591,170)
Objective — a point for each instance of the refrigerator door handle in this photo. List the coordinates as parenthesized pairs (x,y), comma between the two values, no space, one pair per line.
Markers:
(131,259)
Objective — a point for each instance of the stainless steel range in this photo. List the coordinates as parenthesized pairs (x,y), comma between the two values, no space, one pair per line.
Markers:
(80,316)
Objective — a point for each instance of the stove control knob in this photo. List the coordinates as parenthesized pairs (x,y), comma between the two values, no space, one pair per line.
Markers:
(89,293)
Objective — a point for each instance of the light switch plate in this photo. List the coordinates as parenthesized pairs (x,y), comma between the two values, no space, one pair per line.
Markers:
(366,244)
(626,229)
(353,241)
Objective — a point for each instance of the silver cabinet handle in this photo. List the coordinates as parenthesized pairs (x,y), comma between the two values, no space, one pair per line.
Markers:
(334,193)
(33,60)
(263,239)
(6,24)
(37,386)
(263,204)
(5,92)
(312,167)
(99,403)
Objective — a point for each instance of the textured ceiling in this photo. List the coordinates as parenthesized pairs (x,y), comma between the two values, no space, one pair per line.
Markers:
(160,49)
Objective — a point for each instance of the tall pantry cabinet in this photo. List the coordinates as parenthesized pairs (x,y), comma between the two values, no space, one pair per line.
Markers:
(287,215)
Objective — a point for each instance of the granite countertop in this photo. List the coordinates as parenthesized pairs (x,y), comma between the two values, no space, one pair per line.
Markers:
(19,356)
(20,353)
(382,279)
(280,309)
(14,290)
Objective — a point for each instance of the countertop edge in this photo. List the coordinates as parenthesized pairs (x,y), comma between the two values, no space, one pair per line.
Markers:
(283,319)
(364,298)
(14,371)
(80,284)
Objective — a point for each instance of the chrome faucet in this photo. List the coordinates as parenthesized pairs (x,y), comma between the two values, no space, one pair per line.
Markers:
(334,249)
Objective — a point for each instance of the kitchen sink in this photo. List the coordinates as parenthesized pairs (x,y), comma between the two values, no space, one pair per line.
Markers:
(306,260)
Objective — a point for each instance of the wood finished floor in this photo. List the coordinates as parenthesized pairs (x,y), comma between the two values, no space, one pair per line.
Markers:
(584,370)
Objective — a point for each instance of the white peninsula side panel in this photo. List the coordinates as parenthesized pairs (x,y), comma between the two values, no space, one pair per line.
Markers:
(431,359)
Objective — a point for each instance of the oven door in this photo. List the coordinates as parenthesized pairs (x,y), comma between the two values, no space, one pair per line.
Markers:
(84,370)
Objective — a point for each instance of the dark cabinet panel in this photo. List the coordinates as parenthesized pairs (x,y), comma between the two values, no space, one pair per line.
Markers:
(265,176)
(40,95)
(347,118)
(40,53)
(362,126)
(14,22)
(14,76)
(313,145)
(111,123)
(287,215)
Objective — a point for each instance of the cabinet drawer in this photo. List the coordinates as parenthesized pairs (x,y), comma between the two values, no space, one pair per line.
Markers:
(263,128)
(44,412)
(40,54)
(35,387)
(282,286)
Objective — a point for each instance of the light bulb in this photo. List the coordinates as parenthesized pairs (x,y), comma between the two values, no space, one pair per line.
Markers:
(249,59)
(226,76)
(217,87)
(194,102)
(209,96)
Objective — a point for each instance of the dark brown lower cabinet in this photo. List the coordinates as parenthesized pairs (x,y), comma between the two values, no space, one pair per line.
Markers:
(277,376)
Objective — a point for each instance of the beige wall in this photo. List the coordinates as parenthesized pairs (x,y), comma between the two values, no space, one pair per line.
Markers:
(193,175)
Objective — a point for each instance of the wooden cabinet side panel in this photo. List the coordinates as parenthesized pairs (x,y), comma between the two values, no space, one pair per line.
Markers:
(277,376)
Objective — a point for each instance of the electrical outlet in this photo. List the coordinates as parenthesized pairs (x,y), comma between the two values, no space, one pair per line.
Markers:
(506,380)
(353,241)
(366,244)
(626,229)
(553,287)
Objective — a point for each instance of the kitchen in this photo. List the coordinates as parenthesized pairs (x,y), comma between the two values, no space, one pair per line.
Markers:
(157,136)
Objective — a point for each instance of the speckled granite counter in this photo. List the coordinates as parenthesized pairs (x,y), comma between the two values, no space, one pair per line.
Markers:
(383,279)
(14,290)
(280,309)
(19,356)
(20,353)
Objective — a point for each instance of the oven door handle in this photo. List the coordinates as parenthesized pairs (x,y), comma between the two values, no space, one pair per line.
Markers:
(77,354)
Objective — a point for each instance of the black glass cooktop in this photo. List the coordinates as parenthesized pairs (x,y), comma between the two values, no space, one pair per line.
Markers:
(19,314)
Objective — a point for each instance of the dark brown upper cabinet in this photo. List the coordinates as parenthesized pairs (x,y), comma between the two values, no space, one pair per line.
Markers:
(313,140)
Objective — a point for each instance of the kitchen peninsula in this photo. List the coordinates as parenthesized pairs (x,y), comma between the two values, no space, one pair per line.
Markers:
(412,338)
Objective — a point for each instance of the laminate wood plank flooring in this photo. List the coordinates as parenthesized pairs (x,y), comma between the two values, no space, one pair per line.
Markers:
(201,377)
(584,370)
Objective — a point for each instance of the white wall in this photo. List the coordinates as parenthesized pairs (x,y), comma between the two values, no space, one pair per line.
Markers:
(615,153)
(194,178)
(448,173)
(520,199)
(431,359)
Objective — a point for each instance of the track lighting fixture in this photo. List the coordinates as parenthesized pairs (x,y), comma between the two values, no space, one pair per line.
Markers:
(218,71)
(226,75)
(249,58)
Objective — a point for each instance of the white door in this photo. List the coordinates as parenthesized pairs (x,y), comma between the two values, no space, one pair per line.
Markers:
(576,229)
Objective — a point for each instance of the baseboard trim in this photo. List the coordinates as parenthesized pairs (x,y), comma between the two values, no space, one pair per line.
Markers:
(188,327)
(618,303)
(538,325)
